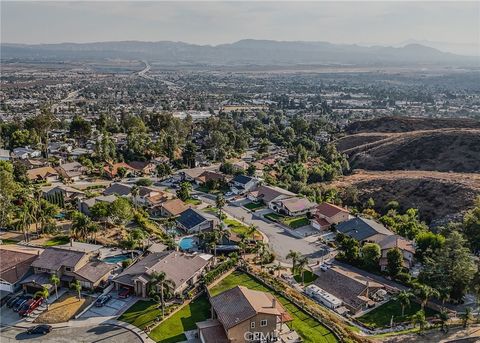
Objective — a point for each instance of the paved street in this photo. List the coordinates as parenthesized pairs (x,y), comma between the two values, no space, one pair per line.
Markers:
(279,239)
(99,333)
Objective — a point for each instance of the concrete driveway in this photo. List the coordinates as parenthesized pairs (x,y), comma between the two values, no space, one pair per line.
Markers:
(112,308)
(93,334)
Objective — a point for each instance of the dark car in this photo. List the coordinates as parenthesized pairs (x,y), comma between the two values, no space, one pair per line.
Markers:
(18,305)
(102,300)
(12,301)
(124,293)
(40,329)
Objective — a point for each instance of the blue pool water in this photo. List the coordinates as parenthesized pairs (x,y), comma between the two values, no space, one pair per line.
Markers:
(187,243)
(117,258)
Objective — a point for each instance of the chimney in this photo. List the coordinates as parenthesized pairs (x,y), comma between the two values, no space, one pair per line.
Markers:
(274,302)
(71,242)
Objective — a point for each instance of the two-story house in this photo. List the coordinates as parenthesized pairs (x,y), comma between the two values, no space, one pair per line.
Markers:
(404,245)
(241,184)
(185,270)
(70,262)
(243,315)
(326,214)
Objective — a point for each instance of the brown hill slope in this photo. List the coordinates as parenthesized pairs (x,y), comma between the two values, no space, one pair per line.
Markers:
(441,150)
(436,194)
(405,124)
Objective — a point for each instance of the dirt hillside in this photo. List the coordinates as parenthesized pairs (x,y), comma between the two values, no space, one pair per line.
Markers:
(436,194)
(405,124)
(444,150)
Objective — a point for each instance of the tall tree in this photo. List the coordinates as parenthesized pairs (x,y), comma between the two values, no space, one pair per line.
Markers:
(294,256)
(159,285)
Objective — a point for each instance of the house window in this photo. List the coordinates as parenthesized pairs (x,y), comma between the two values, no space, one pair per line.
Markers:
(252,325)
(263,322)
(68,269)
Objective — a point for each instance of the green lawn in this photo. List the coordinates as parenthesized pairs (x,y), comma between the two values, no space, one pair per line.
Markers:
(297,222)
(171,330)
(309,277)
(253,206)
(142,313)
(193,201)
(59,240)
(8,241)
(307,327)
(274,217)
(380,317)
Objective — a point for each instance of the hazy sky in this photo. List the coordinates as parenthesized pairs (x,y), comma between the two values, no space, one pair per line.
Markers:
(223,22)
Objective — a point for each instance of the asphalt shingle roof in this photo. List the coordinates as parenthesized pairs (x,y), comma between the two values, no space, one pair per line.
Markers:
(243,179)
(361,228)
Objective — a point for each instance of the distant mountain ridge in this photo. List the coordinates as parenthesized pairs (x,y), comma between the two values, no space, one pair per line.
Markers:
(243,52)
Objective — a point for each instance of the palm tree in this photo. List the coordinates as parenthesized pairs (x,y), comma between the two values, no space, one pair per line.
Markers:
(80,225)
(77,286)
(135,191)
(404,298)
(159,281)
(466,316)
(54,279)
(42,294)
(443,317)
(419,318)
(294,256)
(277,268)
(26,218)
(220,204)
(424,293)
(302,264)
(260,248)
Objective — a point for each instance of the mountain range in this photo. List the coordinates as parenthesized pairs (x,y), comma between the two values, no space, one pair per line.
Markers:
(243,52)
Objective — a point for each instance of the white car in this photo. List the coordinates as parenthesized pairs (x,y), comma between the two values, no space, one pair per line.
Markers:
(228,194)
(324,267)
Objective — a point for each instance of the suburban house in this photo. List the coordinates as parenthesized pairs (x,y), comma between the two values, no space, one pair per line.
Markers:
(15,266)
(150,197)
(353,289)
(47,174)
(293,206)
(327,214)
(78,152)
(111,170)
(117,188)
(85,204)
(142,168)
(71,171)
(193,221)
(4,155)
(69,263)
(404,245)
(183,269)
(267,194)
(241,184)
(191,174)
(172,208)
(363,230)
(209,176)
(62,193)
(244,315)
(26,152)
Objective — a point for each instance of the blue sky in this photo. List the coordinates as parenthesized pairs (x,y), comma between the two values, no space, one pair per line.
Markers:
(386,23)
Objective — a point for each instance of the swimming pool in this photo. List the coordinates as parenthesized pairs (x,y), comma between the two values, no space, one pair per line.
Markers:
(187,243)
(117,258)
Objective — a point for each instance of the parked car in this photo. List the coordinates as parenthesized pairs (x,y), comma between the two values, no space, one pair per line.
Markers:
(18,305)
(324,267)
(30,306)
(12,301)
(124,293)
(40,329)
(102,300)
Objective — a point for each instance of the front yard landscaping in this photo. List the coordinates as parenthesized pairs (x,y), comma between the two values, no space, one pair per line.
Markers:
(308,277)
(194,202)
(293,222)
(241,229)
(142,313)
(380,317)
(306,326)
(58,240)
(171,330)
(62,310)
(253,206)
